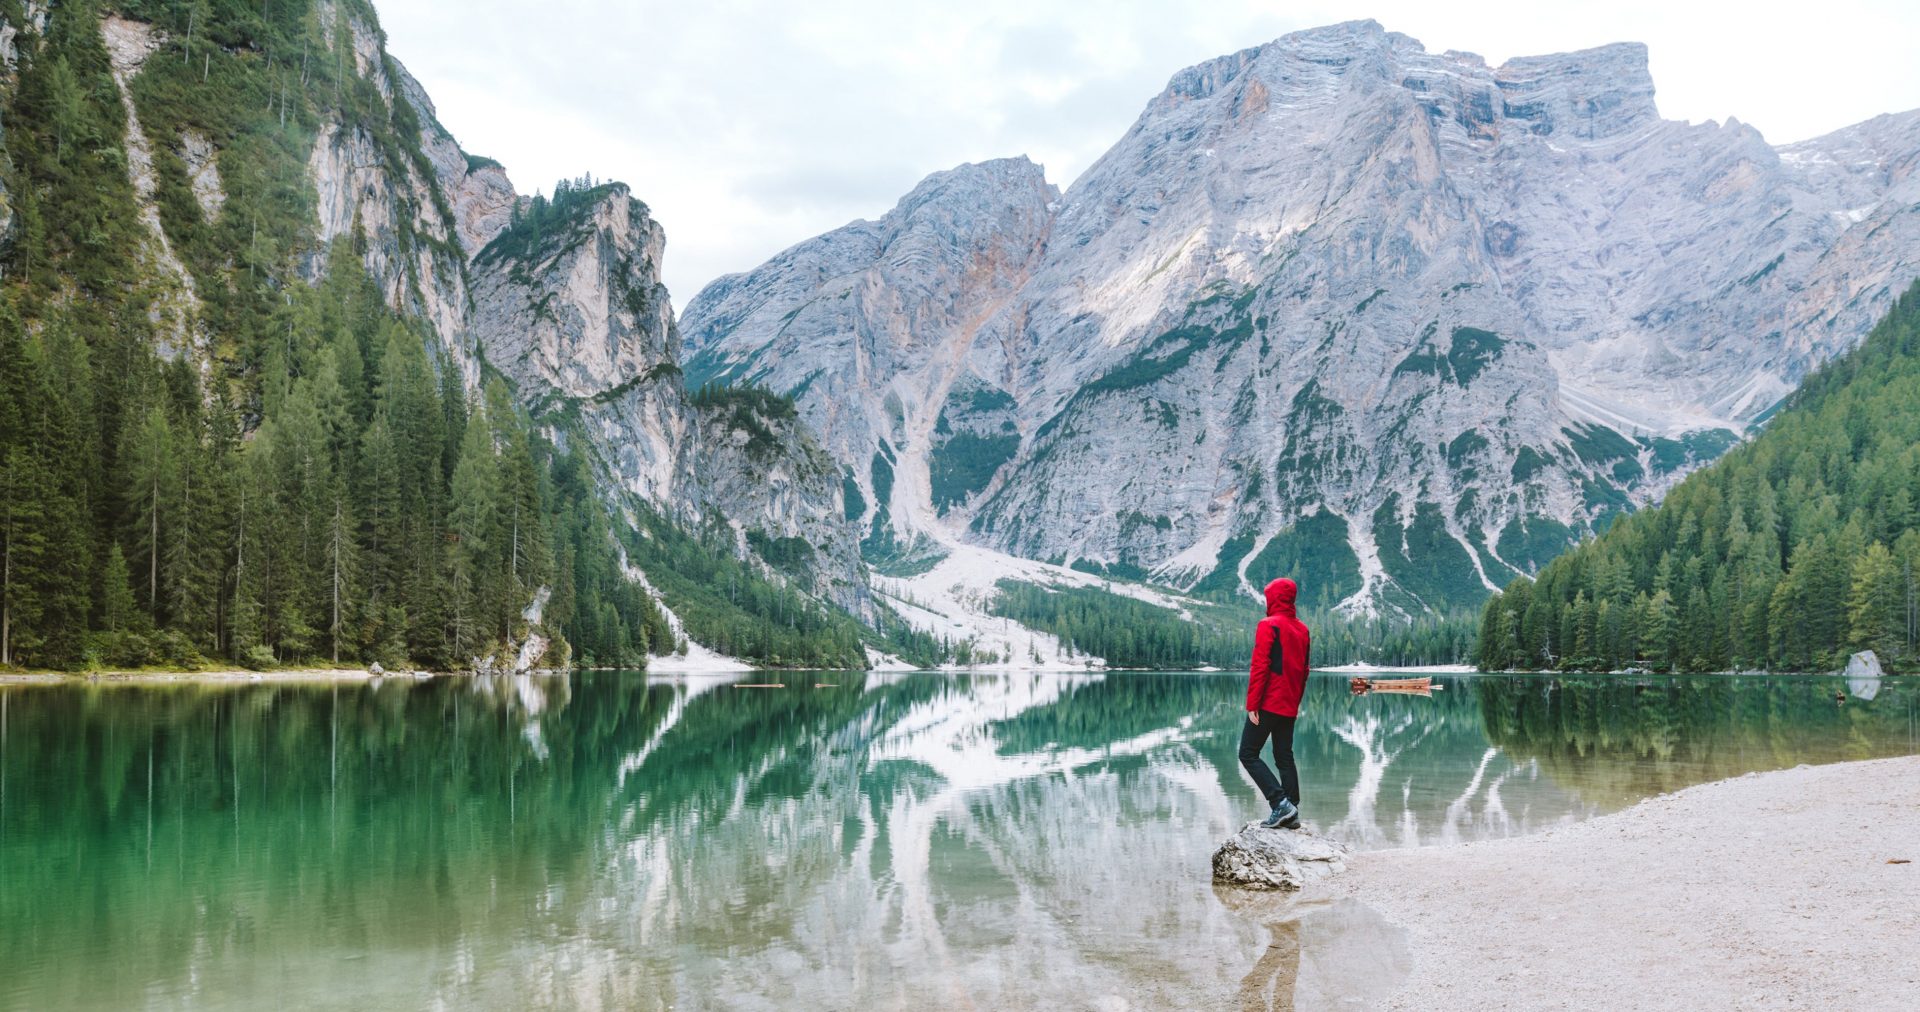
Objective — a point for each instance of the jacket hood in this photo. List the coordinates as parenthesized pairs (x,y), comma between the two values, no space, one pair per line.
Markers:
(1280,597)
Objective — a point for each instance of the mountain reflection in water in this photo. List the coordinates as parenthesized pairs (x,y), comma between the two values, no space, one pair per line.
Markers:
(606,839)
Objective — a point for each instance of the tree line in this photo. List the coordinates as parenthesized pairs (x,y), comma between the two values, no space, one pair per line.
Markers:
(1786,555)
(1130,633)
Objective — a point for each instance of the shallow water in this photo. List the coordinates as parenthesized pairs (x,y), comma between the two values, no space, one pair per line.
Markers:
(883,841)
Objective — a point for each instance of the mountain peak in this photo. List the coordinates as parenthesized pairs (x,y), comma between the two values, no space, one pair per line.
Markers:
(1018,171)
(965,189)
(1331,46)
(1591,94)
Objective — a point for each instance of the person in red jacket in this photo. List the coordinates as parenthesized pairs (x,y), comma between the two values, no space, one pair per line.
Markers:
(1277,677)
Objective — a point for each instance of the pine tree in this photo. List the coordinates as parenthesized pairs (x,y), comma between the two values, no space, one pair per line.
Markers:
(68,102)
(22,543)
(474,524)
(1657,631)
(341,566)
(1496,629)
(151,470)
(1876,607)
(380,495)
(117,608)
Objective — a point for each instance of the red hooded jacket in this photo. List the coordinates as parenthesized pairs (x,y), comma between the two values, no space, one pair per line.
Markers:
(1282,649)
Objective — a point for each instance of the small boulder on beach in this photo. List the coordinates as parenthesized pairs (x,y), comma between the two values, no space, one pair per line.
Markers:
(1260,858)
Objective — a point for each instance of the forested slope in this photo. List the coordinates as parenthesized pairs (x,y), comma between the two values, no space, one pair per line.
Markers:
(246,413)
(1796,548)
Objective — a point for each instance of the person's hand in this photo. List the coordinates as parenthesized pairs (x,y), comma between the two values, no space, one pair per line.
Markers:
(1253,715)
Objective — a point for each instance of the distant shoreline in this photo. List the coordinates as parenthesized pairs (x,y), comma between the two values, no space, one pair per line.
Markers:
(1766,890)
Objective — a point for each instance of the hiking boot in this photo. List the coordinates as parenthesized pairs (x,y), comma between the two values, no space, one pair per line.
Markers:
(1284,816)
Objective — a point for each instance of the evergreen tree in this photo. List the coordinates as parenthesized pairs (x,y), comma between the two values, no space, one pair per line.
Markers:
(1657,629)
(474,526)
(22,543)
(151,473)
(1876,607)
(117,607)
(341,566)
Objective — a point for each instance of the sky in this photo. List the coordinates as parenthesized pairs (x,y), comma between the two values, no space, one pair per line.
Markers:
(748,127)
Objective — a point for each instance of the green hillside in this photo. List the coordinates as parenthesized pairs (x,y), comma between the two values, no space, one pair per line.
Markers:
(310,480)
(1792,551)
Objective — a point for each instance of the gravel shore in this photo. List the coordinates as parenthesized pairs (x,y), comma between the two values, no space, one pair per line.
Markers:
(1772,890)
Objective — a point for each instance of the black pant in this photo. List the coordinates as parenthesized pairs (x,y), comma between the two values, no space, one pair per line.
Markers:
(1252,737)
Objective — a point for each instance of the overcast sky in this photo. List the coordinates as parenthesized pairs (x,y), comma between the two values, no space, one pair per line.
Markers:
(748,127)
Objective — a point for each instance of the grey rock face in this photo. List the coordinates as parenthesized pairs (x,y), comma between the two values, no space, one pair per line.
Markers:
(873,326)
(1261,858)
(585,311)
(1399,323)
(583,326)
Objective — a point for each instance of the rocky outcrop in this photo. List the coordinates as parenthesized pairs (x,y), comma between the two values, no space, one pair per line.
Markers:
(582,311)
(10,32)
(575,314)
(1405,318)
(175,305)
(1260,858)
(481,198)
(203,172)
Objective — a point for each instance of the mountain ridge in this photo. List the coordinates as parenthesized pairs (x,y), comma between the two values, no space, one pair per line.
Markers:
(1524,266)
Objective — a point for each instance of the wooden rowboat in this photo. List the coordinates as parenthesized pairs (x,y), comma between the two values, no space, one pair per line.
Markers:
(1410,686)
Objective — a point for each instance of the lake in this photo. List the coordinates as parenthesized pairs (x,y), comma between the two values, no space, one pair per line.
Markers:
(608,839)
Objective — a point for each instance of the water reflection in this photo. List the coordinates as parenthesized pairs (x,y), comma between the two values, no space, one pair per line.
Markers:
(1322,956)
(609,840)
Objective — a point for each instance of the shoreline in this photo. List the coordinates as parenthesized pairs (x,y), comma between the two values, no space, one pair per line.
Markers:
(1768,890)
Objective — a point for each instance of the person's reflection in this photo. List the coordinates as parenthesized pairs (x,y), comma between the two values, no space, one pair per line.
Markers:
(1270,984)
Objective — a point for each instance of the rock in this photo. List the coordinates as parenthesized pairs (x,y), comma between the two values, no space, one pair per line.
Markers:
(1262,858)
(1863,675)
(532,650)
(203,169)
(375,670)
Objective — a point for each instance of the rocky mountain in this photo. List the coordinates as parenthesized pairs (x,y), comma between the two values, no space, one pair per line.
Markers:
(194,204)
(1402,322)
(575,315)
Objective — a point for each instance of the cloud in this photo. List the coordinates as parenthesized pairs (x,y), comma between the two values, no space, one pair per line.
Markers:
(748,127)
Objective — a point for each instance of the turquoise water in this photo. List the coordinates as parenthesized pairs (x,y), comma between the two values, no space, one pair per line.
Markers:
(614,840)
